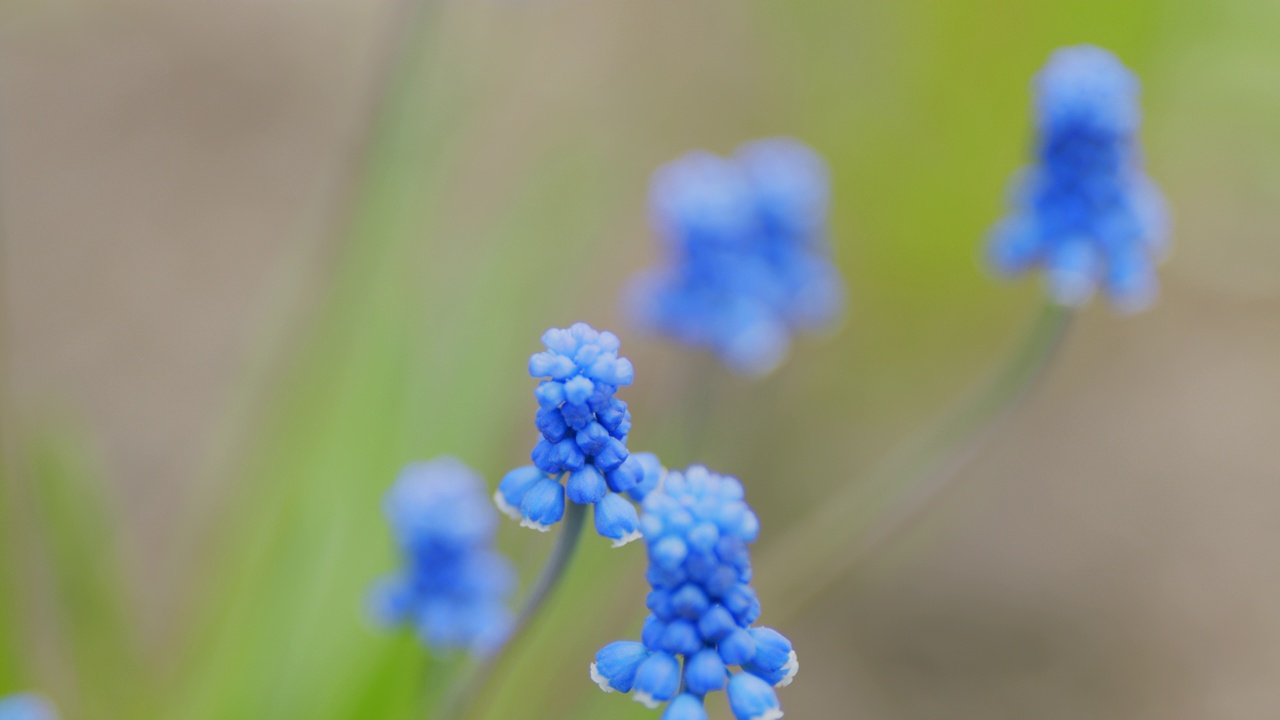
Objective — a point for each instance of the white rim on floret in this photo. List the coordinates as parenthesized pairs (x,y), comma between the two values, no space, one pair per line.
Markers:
(505,507)
(535,525)
(792,667)
(770,714)
(628,538)
(600,680)
(646,700)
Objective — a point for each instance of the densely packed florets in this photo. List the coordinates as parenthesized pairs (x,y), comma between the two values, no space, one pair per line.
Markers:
(584,437)
(697,528)
(748,256)
(453,585)
(1085,211)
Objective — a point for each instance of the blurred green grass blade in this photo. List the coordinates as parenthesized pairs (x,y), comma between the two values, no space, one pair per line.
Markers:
(11,643)
(72,524)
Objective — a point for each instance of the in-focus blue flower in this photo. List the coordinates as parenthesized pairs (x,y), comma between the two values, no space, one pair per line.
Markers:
(26,706)
(453,586)
(748,258)
(584,439)
(697,528)
(1085,211)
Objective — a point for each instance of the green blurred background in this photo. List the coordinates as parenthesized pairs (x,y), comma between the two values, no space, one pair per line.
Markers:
(236,298)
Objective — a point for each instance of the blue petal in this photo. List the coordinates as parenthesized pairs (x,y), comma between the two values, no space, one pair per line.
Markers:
(512,489)
(616,519)
(616,664)
(650,475)
(681,638)
(685,707)
(737,648)
(775,659)
(657,680)
(705,672)
(716,623)
(586,486)
(751,698)
(543,505)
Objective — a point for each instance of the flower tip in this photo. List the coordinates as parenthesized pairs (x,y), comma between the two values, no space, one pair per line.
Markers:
(600,680)
(505,507)
(771,714)
(792,667)
(646,700)
(526,522)
(628,538)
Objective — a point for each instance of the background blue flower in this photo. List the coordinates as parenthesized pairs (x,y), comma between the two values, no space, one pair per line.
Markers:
(702,607)
(748,260)
(453,585)
(1085,211)
(584,438)
(26,706)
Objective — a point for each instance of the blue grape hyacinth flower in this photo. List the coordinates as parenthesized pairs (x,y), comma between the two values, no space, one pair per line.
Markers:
(26,706)
(584,438)
(697,528)
(1085,211)
(748,258)
(453,585)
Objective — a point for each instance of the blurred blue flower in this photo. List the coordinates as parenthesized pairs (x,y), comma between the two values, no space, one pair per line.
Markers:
(1085,211)
(748,259)
(26,706)
(697,527)
(453,585)
(584,439)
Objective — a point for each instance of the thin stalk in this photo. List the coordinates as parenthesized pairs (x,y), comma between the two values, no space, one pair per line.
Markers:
(473,678)
(839,533)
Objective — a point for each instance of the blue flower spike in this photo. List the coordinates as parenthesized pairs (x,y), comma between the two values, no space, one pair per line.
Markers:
(697,527)
(582,456)
(453,585)
(1085,211)
(748,258)
(26,706)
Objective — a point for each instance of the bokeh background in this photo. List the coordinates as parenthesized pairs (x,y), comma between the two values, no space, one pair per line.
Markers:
(256,255)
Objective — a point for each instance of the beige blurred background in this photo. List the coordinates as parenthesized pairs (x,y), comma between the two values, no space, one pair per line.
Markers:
(172,173)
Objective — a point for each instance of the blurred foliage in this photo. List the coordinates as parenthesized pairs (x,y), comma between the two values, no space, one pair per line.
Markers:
(504,195)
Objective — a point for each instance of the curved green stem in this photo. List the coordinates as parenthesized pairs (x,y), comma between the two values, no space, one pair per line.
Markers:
(822,546)
(475,675)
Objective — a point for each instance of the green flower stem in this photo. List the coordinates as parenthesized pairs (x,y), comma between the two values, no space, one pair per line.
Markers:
(835,536)
(472,679)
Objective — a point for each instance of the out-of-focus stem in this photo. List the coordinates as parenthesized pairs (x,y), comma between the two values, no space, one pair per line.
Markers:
(835,536)
(473,678)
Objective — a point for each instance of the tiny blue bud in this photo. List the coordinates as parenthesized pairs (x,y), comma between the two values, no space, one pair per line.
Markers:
(543,505)
(705,672)
(658,679)
(689,601)
(578,389)
(685,707)
(652,632)
(549,394)
(738,647)
(586,486)
(611,455)
(681,638)
(616,664)
(751,698)
(669,552)
(716,623)
(616,519)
